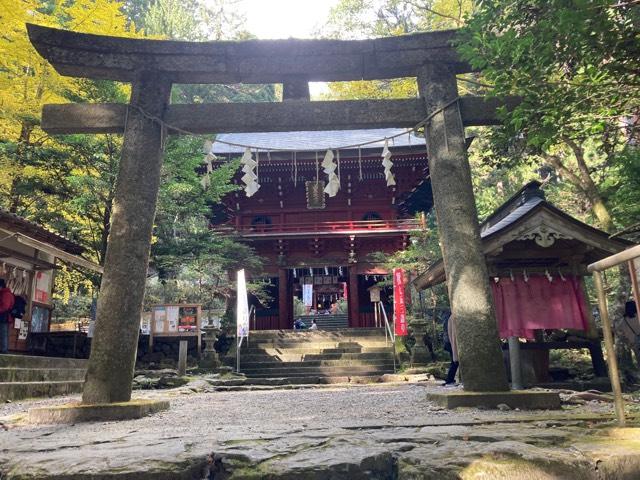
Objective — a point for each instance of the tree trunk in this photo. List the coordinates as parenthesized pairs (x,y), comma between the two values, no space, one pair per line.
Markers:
(481,362)
(584,183)
(106,227)
(114,346)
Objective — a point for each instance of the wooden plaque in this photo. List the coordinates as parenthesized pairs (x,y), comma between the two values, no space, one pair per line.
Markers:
(315,195)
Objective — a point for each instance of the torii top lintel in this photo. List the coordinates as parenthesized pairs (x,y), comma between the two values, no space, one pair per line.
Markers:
(252,61)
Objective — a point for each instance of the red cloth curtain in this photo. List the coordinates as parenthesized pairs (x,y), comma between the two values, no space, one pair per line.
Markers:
(523,306)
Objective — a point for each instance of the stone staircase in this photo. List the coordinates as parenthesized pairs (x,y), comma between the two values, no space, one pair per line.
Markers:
(327,322)
(317,356)
(23,376)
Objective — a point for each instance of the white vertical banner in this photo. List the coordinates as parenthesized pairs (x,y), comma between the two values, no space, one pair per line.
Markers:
(242,308)
(307,295)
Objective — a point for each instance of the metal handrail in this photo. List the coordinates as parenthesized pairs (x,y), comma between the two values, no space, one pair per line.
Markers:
(628,255)
(252,310)
(391,334)
(386,323)
(239,341)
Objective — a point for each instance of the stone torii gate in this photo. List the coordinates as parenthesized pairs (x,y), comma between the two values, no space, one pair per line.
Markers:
(152,66)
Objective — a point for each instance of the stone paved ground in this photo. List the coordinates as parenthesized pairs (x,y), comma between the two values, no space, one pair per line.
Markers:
(342,432)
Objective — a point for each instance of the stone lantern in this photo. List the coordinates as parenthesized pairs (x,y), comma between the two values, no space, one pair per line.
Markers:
(419,354)
(210,360)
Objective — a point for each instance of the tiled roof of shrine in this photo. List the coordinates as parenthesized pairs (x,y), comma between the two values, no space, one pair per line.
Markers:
(316,140)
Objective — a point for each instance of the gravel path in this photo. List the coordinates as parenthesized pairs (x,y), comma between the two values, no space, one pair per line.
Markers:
(287,431)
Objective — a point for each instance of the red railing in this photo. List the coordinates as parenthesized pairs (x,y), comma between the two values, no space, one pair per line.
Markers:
(337,227)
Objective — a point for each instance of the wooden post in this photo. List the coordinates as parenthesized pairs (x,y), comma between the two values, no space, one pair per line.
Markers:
(595,350)
(467,276)
(375,314)
(283,303)
(612,362)
(198,330)
(354,307)
(635,288)
(514,362)
(182,358)
(114,346)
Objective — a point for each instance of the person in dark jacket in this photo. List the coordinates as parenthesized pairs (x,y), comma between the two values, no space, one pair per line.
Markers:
(6,305)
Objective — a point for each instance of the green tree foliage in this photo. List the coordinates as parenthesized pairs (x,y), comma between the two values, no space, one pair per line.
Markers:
(575,64)
(192,262)
(58,182)
(194,20)
(356,19)
(66,183)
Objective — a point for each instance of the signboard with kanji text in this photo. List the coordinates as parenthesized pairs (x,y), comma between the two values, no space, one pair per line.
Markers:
(399,302)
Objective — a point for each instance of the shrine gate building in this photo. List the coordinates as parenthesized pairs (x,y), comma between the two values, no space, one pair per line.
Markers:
(307,237)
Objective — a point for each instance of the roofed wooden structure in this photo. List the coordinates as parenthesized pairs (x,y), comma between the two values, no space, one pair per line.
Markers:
(529,232)
(16,223)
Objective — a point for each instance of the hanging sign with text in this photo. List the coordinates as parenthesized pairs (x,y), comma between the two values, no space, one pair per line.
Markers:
(399,302)
(242,307)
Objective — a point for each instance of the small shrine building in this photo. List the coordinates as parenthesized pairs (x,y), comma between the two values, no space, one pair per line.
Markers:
(29,258)
(537,258)
(318,247)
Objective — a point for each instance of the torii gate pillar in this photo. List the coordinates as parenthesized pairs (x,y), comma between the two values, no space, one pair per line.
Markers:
(115,341)
(470,294)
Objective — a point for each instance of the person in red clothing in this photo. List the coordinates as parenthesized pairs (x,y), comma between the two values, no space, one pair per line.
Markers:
(6,304)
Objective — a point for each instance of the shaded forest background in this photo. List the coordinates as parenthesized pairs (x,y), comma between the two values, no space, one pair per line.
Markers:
(575,63)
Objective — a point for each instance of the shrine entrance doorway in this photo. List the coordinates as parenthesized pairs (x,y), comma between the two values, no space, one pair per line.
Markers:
(334,244)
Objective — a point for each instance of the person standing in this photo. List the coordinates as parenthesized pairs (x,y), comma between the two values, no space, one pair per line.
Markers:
(6,304)
(451,346)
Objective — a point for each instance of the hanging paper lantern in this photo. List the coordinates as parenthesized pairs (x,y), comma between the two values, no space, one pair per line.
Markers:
(333,183)
(387,163)
(250,179)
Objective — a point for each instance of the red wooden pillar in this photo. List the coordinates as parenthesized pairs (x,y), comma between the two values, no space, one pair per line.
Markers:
(354,307)
(284,320)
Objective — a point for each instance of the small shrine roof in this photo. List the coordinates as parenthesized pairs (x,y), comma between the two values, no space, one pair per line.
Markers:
(15,223)
(316,140)
(521,203)
(524,216)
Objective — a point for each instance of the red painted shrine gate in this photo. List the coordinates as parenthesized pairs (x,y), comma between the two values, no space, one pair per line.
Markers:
(308,237)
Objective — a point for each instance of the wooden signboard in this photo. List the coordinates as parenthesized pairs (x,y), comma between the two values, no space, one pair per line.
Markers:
(176,320)
(315,195)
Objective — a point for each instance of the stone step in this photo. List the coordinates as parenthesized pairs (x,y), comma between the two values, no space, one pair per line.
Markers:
(342,333)
(30,361)
(312,351)
(313,371)
(260,383)
(329,328)
(298,357)
(23,390)
(41,374)
(318,345)
(318,363)
(310,373)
